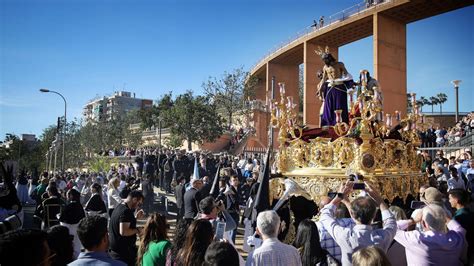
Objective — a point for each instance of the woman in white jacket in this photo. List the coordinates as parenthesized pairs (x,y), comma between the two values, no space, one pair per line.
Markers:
(113,197)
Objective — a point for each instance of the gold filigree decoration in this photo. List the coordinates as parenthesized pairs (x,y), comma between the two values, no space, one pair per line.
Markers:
(343,151)
(321,152)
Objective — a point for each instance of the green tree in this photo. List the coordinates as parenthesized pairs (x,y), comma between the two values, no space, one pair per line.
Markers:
(230,92)
(149,117)
(131,138)
(101,163)
(27,154)
(92,138)
(442,98)
(195,119)
(173,141)
(146,116)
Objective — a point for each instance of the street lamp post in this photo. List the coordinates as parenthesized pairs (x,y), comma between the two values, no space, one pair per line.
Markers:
(64,126)
(55,147)
(456,88)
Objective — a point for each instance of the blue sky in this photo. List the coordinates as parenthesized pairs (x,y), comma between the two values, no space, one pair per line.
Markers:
(88,48)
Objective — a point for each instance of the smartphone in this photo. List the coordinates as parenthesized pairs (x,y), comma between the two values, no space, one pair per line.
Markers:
(359,186)
(417,204)
(332,195)
(220,229)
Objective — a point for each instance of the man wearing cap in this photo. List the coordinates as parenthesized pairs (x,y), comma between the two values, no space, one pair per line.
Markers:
(429,195)
(192,197)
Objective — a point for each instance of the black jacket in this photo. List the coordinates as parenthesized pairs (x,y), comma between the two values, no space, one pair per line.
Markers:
(179,193)
(192,198)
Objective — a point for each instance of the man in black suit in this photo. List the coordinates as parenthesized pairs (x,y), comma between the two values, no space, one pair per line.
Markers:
(192,197)
(179,165)
(179,193)
(233,202)
(168,171)
(206,187)
(204,166)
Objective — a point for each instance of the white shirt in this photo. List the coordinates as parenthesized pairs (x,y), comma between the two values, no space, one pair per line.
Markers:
(62,185)
(275,253)
(122,185)
(113,198)
(249,167)
(351,239)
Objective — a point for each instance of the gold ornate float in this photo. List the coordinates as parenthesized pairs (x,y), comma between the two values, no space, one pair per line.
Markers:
(382,151)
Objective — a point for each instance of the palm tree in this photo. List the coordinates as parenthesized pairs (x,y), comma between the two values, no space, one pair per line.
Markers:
(422,102)
(425,101)
(433,101)
(442,98)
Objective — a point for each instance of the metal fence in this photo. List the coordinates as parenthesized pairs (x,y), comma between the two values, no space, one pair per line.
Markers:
(249,151)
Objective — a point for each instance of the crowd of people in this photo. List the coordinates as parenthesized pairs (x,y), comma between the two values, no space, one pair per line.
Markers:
(66,199)
(442,136)
(110,218)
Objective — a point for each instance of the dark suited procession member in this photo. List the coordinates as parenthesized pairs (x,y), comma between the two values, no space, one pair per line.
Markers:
(205,167)
(168,172)
(148,194)
(179,194)
(180,165)
(233,202)
(206,187)
(192,197)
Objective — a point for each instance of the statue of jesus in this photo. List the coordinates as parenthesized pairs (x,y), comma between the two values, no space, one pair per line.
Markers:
(332,89)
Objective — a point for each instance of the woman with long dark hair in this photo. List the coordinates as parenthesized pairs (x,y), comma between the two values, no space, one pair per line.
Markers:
(198,237)
(154,241)
(307,243)
(178,240)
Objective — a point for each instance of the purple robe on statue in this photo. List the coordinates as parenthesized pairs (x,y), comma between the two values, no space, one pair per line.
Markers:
(335,98)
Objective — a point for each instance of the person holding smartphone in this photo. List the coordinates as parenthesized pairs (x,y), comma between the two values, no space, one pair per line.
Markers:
(210,211)
(362,211)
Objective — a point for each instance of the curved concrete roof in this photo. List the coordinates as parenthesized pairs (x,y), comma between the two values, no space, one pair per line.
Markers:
(356,23)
